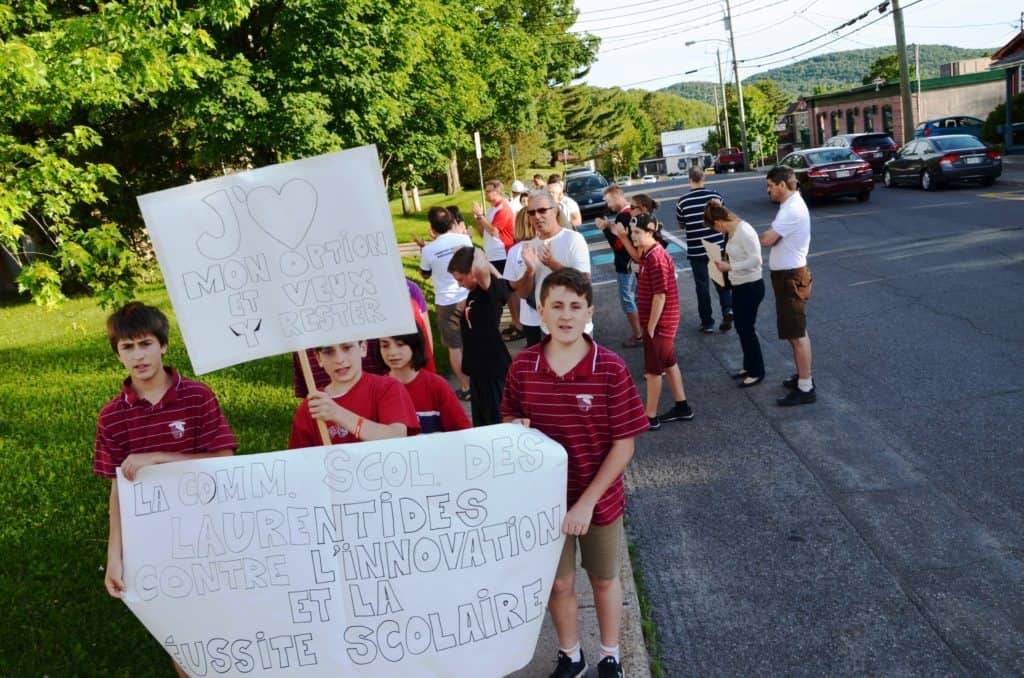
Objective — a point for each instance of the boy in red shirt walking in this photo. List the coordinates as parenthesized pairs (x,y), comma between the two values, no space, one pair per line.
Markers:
(582,396)
(158,417)
(657,299)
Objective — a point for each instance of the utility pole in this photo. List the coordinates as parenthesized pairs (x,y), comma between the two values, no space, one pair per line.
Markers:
(725,105)
(901,55)
(739,86)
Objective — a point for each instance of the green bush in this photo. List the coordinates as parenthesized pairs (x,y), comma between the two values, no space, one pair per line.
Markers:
(997,118)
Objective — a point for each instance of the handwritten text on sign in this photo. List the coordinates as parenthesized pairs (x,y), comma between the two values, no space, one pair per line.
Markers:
(280,258)
(431,555)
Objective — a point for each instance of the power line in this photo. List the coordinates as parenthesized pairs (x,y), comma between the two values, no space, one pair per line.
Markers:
(673,5)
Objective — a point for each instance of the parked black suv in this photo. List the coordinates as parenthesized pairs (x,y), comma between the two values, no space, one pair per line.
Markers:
(875,147)
(587,189)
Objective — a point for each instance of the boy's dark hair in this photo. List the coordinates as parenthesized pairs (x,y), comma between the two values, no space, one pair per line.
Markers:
(135,319)
(456,214)
(555,178)
(440,219)
(462,260)
(570,279)
(780,174)
(415,342)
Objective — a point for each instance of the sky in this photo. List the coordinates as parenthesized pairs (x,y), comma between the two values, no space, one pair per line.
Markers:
(643,42)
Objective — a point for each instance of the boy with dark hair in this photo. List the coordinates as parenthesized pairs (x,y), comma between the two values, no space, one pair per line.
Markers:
(581,395)
(449,298)
(486,358)
(356,405)
(158,418)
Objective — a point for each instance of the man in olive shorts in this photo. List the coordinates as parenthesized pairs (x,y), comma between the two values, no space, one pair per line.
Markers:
(789,239)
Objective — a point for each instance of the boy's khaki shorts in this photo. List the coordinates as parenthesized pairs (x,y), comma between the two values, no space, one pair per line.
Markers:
(600,548)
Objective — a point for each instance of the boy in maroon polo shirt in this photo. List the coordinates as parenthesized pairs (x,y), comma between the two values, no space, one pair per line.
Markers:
(158,417)
(356,405)
(582,396)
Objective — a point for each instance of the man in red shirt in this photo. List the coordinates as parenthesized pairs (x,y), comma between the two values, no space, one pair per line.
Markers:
(356,405)
(497,225)
(582,396)
(158,417)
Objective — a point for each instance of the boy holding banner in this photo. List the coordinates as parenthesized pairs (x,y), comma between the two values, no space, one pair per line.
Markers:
(356,405)
(582,396)
(158,417)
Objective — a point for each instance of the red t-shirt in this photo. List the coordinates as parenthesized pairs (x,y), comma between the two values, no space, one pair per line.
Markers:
(187,419)
(585,410)
(504,220)
(658,275)
(380,399)
(436,405)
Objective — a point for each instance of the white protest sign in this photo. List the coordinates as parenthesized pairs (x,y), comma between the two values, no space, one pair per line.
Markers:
(280,258)
(424,556)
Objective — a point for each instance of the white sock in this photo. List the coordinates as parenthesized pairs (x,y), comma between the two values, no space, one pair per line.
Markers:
(805,385)
(575,653)
(610,652)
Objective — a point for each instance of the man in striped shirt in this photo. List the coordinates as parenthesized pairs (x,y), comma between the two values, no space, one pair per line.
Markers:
(582,396)
(690,216)
(158,417)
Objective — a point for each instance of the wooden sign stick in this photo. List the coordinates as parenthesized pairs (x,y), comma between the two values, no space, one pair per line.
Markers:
(307,373)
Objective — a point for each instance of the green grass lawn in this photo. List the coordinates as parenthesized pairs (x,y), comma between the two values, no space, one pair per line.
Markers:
(56,372)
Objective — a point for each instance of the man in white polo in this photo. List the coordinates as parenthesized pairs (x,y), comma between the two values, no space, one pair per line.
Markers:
(789,239)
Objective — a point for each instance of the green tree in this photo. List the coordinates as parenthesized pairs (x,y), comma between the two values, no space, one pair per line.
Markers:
(887,68)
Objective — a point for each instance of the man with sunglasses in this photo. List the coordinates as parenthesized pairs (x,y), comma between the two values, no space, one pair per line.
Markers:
(552,248)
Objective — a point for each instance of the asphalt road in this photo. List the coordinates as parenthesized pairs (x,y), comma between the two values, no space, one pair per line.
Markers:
(878,531)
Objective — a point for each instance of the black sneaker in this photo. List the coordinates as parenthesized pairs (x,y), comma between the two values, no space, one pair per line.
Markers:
(792,382)
(726,323)
(707,329)
(567,668)
(677,413)
(797,397)
(609,668)
(655,423)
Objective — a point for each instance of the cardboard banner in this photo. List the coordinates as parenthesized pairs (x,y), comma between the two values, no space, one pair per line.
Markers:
(424,556)
(280,258)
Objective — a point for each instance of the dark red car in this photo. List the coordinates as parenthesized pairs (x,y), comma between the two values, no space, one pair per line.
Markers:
(729,159)
(831,172)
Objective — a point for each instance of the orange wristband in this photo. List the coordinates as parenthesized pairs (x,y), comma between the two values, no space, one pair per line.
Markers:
(359,428)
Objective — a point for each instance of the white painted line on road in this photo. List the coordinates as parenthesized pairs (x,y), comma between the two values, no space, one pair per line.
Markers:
(867,282)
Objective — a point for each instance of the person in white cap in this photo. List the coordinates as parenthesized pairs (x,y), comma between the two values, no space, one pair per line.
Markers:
(518,191)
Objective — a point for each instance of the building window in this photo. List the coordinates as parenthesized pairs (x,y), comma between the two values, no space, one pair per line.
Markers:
(837,117)
(887,118)
(851,121)
(821,128)
(869,118)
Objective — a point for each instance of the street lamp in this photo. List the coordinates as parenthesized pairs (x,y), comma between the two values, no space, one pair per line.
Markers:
(721,85)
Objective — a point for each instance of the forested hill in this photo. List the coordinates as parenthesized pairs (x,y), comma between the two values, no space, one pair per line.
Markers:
(837,70)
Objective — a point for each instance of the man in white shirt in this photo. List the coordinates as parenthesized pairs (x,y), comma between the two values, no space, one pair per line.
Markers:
(569,207)
(449,297)
(552,248)
(518,191)
(789,239)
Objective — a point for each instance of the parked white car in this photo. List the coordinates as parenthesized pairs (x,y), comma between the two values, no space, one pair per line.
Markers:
(649,179)
(623,181)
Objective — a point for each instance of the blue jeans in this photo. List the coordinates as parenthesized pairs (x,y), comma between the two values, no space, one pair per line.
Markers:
(701,280)
(746,298)
(627,291)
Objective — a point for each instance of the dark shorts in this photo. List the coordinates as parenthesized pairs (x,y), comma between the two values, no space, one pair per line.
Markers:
(792,290)
(448,324)
(659,353)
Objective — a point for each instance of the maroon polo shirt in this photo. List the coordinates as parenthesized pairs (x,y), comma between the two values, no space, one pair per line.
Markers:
(585,410)
(658,275)
(187,419)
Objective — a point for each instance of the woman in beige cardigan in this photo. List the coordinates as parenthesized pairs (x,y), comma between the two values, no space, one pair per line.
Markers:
(742,261)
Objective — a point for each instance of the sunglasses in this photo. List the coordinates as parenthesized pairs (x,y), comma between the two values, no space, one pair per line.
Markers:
(539,210)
